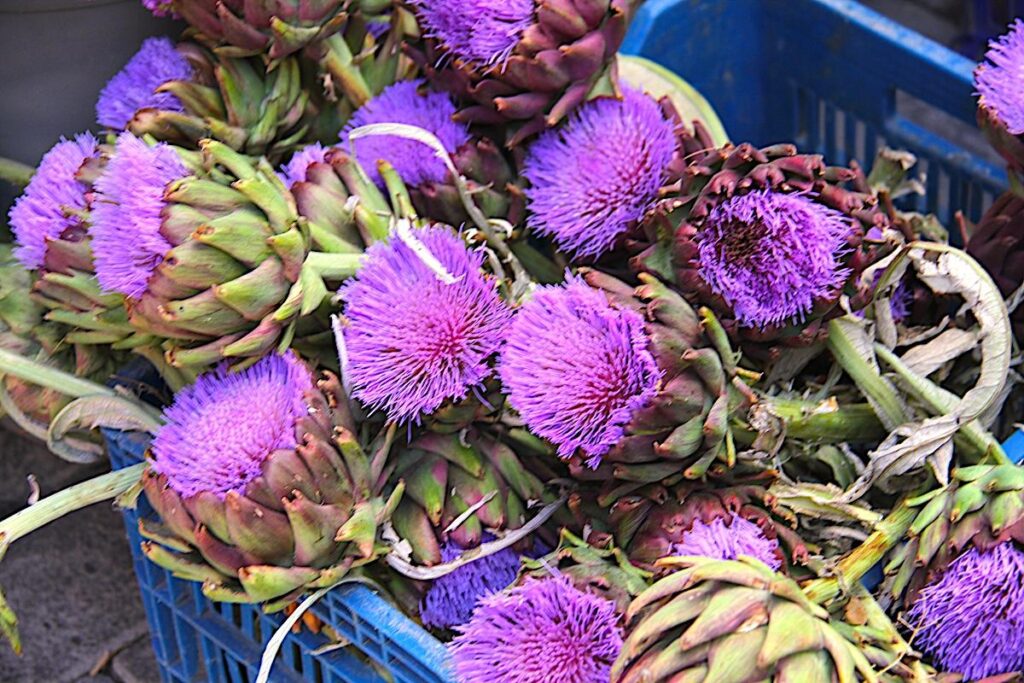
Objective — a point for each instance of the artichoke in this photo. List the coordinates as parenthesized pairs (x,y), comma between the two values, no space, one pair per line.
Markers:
(734,622)
(996,243)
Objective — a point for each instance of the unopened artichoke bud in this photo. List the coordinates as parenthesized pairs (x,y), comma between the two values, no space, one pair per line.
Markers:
(220,264)
(525,62)
(262,487)
(982,508)
(1000,102)
(734,621)
(622,382)
(770,239)
(997,243)
(50,222)
(184,94)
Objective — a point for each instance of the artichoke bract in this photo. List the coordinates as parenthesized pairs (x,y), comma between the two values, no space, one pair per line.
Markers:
(769,239)
(219,264)
(522,62)
(735,622)
(262,487)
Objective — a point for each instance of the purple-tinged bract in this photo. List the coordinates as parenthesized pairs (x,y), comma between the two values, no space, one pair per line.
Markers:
(971,620)
(450,600)
(723,541)
(46,211)
(544,630)
(770,255)
(416,337)
(415,162)
(126,217)
(1000,80)
(134,86)
(482,32)
(295,170)
(594,177)
(218,431)
(575,368)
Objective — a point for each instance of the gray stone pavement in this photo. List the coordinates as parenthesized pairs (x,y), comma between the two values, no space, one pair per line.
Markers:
(71,583)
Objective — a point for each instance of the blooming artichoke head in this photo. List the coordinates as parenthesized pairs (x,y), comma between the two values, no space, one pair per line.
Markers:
(998,81)
(262,488)
(525,62)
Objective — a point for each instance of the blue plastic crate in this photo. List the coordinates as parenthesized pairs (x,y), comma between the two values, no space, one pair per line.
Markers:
(830,75)
(198,640)
(834,77)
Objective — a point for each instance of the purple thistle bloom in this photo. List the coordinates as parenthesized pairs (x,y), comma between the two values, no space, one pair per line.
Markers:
(1000,81)
(295,170)
(127,214)
(414,341)
(723,541)
(544,630)
(771,255)
(450,600)
(971,620)
(483,32)
(134,86)
(414,161)
(594,177)
(219,430)
(160,8)
(575,368)
(44,211)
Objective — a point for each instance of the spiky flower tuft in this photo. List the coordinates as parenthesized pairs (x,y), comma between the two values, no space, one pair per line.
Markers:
(544,630)
(722,541)
(595,176)
(46,210)
(219,430)
(482,32)
(770,255)
(295,170)
(127,215)
(134,86)
(414,161)
(160,8)
(450,600)
(971,620)
(418,334)
(576,367)
(1000,80)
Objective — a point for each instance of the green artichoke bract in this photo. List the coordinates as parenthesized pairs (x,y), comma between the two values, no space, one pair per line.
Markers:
(288,500)
(734,622)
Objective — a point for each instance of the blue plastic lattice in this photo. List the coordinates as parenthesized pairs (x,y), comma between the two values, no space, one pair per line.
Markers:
(830,75)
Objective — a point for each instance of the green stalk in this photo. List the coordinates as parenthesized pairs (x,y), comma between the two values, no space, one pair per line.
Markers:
(854,566)
(976,439)
(334,266)
(879,392)
(51,378)
(855,422)
(15,172)
(543,269)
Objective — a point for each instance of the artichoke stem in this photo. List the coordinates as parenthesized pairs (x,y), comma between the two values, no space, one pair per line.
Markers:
(51,378)
(543,269)
(332,266)
(855,565)
(976,441)
(867,378)
(855,422)
(15,172)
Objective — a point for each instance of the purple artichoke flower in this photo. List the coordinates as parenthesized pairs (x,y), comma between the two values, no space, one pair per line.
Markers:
(769,255)
(295,170)
(575,368)
(126,216)
(1000,81)
(483,32)
(450,600)
(219,430)
(595,176)
(46,210)
(134,86)
(544,630)
(971,620)
(414,161)
(723,541)
(417,337)
(160,8)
